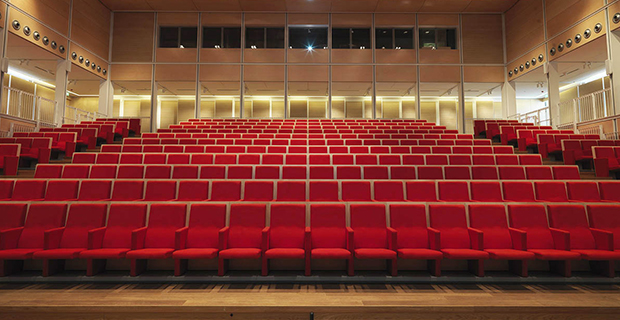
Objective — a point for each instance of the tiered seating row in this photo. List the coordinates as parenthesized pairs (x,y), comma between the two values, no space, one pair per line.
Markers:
(135,126)
(86,137)
(32,149)
(306,120)
(480,126)
(514,232)
(105,132)
(552,143)
(350,136)
(306,142)
(581,150)
(321,131)
(508,133)
(606,161)
(322,190)
(528,139)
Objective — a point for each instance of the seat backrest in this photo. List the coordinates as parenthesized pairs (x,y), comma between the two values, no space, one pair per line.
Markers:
(48,171)
(491,220)
(369,224)
(41,217)
(566,173)
(246,224)
(291,191)
(287,224)
(554,191)
(573,219)
(409,220)
(532,219)
(193,190)
(457,191)
(205,221)
(12,215)
(606,217)
(24,190)
(519,191)
(258,190)
(356,191)
(160,190)
(122,220)
(451,221)
(328,224)
(322,190)
(164,220)
(128,190)
(62,190)
(389,191)
(538,173)
(76,171)
(94,190)
(586,191)
(486,191)
(82,218)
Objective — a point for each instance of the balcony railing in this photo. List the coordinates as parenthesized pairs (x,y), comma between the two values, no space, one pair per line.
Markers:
(27,106)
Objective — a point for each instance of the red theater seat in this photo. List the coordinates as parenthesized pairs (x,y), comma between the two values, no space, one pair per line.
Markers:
(323,190)
(486,191)
(128,190)
(62,190)
(258,191)
(388,191)
(12,216)
(583,191)
(550,191)
(242,239)
(291,191)
(76,172)
(285,237)
(103,172)
(356,191)
(566,173)
(48,171)
(518,191)
(453,191)
(193,190)
(29,190)
(95,190)
(164,190)
(538,173)
(423,191)
(605,223)
(370,235)
(328,235)
(225,191)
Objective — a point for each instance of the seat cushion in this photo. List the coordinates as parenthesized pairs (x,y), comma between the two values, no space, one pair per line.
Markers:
(552,254)
(18,254)
(150,253)
(107,253)
(510,254)
(464,254)
(330,253)
(423,254)
(195,253)
(285,253)
(65,253)
(375,253)
(599,254)
(240,253)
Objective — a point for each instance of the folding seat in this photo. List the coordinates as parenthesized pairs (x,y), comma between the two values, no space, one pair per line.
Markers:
(267,172)
(457,173)
(511,173)
(131,158)
(193,190)
(441,150)
(84,158)
(258,191)
(83,221)
(430,173)
(285,238)
(348,172)
(437,159)
(295,172)
(19,244)
(518,191)
(324,191)
(460,159)
(488,223)
(213,172)
(503,149)
(182,158)
(610,190)
(291,191)
(571,222)
(388,191)
(108,158)
(389,159)
(369,235)
(62,190)
(449,233)
(48,171)
(242,239)
(95,190)
(583,191)
(605,224)
(530,160)
(320,159)
(538,173)
(157,172)
(130,172)
(207,222)
(128,190)
(462,150)
(483,160)
(402,172)
(328,235)
(249,159)
(161,190)
(413,159)
(273,159)
(566,173)
(103,172)
(202,159)
(225,190)
(376,172)
(240,172)
(545,243)
(550,191)
(408,225)
(484,173)
(321,172)
(299,159)
(482,150)
(29,190)
(75,172)
(453,191)
(356,191)
(423,191)
(124,228)
(486,191)
(12,216)
(155,158)
(507,159)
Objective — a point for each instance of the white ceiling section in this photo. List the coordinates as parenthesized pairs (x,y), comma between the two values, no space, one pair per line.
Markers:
(313,6)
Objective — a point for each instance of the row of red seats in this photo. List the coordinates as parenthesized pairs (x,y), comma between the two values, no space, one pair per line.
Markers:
(494,129)
(327,131)
(508,133)
(32,149)
(307,136)
(606,161)
(574,151)
(65,142)
(135,127)
(528,139)
(312,159)
(481,125)
(323,190)
(9,158)
(558,234)
(105,132)
(121,128)
(551,144)
(306,120)
(86,137)
(306,142)
(309,149)
(304,127)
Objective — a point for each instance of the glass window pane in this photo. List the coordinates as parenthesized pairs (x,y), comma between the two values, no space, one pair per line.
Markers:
(169,37)
(255,37)
(275,38)
(301,38)
(211,37)
(189,37)
(232,38)
(403,38)
(361,38)
(427,38)
(384,39)
(451,38)
(341,38)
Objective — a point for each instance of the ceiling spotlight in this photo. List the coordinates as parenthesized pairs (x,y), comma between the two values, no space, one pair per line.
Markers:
(254,47)
(182,46)
(309,48)
(397,48)
(217,46)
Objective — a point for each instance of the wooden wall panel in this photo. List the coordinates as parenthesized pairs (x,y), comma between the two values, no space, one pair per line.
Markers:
(220,55)
(177,19)
(220,72)
(133,37)
(263,73)
(570,34)
(350,20)
(263,55)
(128,72)
(528,57)
(440,56)
(90,26)
(482,39)
(393,20)
(54,13)
(524,27)
(176,55)
(352,73)
(2,17)
(305,56)
(561,14)
(44,31)
(351,56)
(396,74)
(221,19)
(265,20)
(483,74)
(429,20)
(98,62)
(613,9)
(395,56)
(308,19)
(308,73)
(175,72)
(440,74)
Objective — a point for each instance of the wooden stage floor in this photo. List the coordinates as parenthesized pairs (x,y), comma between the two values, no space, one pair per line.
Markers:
(303,301)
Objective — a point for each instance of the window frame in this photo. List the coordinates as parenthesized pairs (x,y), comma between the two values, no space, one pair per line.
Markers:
(178,46)
(435,29)
(350,33)
(246,45)
(221,37)
(327,45)
(393,37)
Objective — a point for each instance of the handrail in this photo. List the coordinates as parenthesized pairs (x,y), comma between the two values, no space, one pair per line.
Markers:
(28,106)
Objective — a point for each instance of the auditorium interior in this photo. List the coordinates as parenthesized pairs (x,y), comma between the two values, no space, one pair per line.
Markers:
(309,159)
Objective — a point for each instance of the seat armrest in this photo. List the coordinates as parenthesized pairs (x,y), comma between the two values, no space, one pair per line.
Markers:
(180,238)
(265,238)
(561,239)
(51,238)
(350,239)
(11,163)
(308,241)
(476,239)
(223,238)
(519,239)
(137,238)
(392,235)
(95,238)
(604,239)
(434,238)
(9,238)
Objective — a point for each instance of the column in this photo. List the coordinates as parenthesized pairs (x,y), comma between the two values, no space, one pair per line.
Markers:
(553,85)
(613,68)
(62,70)
(509,99)
(106,97)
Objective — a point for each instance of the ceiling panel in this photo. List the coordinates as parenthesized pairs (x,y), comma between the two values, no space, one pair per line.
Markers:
(354,5)
(263,5)
(309,6)
(167,5)
(399,5)
(217,5)
(490,5)
(120,5)
(445,5)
